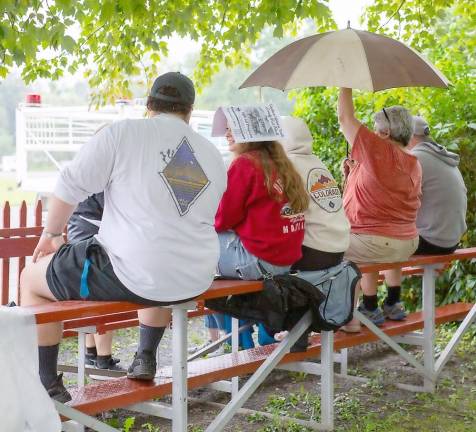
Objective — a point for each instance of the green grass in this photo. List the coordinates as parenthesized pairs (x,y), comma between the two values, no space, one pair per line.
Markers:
(368,408)
(9,191)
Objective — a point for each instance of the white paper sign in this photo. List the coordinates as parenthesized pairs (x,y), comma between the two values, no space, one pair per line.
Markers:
(249,123)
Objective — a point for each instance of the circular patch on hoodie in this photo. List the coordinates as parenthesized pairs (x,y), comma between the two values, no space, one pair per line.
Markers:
(324,190)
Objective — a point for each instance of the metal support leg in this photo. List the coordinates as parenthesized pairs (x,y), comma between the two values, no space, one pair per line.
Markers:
(81,358)
(82,418)
(179,368)
(344,361)
(259,376)
(213,346)
(429,276)
(156,409)
(235,384)
(327,381)
(392,344)
(446,354)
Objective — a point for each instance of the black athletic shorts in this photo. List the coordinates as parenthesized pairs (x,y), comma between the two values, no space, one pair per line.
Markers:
(427,248)
(68,279)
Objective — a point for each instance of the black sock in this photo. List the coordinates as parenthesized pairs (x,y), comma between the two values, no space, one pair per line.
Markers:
(48,357)
(149,338)
(103,361)
(393,295)
(91,351)
(370,302)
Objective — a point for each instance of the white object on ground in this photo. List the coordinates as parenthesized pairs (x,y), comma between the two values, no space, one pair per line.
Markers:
(24,402)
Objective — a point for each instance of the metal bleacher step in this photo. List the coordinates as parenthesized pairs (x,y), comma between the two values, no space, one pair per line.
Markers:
(121,392)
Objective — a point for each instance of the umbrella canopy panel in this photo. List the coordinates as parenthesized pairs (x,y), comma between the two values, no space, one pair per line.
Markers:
(346,58)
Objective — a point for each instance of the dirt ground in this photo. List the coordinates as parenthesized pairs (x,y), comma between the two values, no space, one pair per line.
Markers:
(372,406)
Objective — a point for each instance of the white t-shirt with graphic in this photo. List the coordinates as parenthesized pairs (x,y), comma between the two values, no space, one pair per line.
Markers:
(162,184)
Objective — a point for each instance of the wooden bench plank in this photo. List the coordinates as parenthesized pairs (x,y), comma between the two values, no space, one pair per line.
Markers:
(74,309)
(121,392)
(420,260)
(100,320)
(61,311)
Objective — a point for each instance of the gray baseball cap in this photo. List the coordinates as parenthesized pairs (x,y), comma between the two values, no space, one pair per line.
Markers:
(421,126)
(182,83)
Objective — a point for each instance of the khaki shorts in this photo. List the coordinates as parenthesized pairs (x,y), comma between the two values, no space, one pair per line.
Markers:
(366,248)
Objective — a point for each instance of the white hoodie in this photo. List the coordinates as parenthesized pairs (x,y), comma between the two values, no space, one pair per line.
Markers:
(327,228)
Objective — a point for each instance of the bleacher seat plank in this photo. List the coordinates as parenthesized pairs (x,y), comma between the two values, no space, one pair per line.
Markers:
(95,398)
(420,260)
(100,320)
(74,309)
(67,310)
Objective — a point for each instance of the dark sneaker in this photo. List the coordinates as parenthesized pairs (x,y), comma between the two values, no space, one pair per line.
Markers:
(57,390)
(90,360)
(395,312)
(143,367)
(376,315)
(108,363)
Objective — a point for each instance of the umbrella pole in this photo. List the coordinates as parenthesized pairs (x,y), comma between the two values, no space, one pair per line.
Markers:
(260,94)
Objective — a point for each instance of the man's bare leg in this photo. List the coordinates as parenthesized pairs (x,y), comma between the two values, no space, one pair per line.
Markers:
(102,342)
(34,291)
(393,277)
(155,316)
(369,284)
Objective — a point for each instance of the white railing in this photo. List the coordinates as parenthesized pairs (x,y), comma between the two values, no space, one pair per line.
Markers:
(56,131)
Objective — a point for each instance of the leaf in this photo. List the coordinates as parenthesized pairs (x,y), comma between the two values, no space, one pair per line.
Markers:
(107,10)
(68,44)
(128,424)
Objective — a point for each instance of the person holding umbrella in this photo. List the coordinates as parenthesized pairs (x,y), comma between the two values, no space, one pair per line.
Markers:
(381,200)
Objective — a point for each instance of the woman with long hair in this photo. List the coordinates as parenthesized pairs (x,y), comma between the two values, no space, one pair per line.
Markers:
(260,220)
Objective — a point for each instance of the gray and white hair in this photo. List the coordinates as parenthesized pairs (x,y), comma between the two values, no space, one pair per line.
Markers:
(397,122)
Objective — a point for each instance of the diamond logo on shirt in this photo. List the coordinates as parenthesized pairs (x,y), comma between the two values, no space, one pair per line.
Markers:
(184,177)
(324,190)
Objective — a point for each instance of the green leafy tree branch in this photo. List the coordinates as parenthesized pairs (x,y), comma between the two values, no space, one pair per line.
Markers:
(117,40)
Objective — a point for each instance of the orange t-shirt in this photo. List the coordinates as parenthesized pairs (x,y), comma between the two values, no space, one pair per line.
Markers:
(383,190)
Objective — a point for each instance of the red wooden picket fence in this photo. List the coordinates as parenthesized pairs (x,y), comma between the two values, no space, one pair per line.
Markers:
(16,243)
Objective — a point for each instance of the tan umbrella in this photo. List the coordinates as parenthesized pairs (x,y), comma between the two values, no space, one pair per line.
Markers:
(346,58)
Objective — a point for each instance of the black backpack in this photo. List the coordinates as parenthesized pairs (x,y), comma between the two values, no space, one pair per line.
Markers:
(329,294)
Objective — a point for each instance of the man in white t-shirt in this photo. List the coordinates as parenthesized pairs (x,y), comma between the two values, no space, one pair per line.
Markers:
(157,244)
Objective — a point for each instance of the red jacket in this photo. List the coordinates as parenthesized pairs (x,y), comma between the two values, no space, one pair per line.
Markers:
(263,224)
